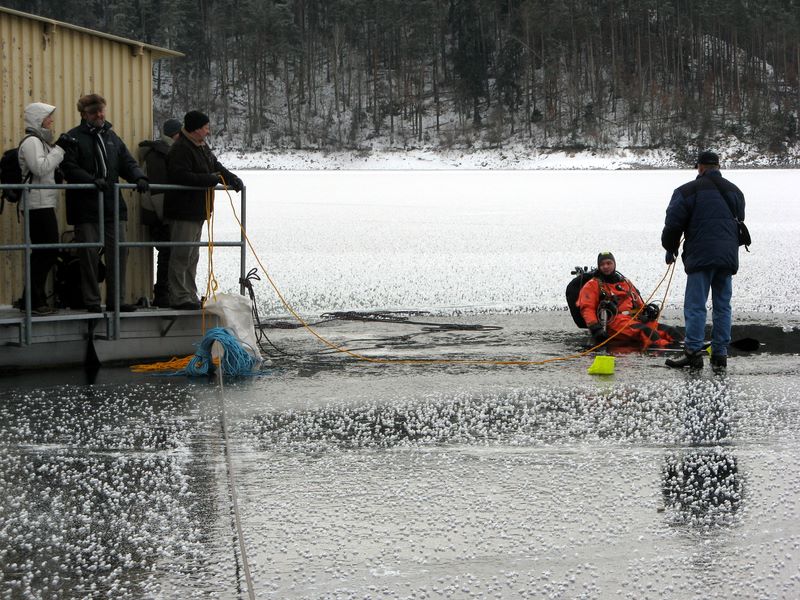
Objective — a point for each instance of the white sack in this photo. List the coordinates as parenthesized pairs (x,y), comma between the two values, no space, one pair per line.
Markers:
(236,313)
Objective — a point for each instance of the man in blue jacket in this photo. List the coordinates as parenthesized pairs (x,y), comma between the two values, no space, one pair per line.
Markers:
(704,212)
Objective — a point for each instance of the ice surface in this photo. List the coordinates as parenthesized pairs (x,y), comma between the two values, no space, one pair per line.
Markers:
(489,241)
(359,480)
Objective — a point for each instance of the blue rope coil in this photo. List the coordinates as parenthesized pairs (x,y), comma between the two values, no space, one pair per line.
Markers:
(236,362)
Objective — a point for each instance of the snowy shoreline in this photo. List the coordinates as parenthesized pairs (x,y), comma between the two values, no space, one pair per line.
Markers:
(516,158)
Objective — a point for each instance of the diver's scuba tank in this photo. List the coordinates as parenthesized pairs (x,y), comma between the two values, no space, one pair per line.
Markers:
(582,275)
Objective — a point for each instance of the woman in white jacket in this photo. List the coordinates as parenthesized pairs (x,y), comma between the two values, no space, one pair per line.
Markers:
(39,159)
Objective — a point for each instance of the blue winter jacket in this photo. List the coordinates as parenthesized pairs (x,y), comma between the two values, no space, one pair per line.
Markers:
(699,212)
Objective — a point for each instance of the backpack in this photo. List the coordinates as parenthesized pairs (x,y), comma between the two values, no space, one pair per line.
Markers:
(11,172)
(67,275)
(67,280)
(582,275)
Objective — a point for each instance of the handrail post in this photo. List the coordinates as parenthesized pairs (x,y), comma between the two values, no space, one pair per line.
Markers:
(117,285)
(101,225)
(28,252)
(243,240)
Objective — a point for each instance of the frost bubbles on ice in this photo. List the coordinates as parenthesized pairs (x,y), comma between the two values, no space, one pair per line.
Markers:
(97,493)
(541,491)
(532,490)
(646,411)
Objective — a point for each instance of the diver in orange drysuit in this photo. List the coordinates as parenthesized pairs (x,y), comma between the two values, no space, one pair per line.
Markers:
(609,293)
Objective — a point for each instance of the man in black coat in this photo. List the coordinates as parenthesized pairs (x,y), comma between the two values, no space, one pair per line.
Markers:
(705,212)
(99,157)
(153,158)
(190,162)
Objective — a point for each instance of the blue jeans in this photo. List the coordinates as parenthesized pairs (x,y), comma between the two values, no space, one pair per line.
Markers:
(698,284)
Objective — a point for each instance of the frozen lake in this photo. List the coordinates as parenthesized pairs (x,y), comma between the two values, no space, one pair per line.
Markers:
(491,240)
(443,480)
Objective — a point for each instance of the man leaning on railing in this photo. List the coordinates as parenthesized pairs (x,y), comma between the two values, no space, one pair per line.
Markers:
(191,162)
(100,157)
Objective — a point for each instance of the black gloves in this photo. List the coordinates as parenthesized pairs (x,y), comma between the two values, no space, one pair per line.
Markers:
(598,335)
(142,185)
(233,183)
(670,257)
(65,142)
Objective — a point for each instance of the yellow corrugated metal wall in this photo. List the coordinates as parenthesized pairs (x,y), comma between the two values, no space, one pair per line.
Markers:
(42,61)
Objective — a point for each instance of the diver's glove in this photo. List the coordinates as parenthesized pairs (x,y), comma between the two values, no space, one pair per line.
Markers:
(598,335)
(670,257)
(650,312)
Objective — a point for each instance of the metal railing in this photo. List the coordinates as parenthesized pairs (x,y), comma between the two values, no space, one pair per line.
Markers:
(27,247)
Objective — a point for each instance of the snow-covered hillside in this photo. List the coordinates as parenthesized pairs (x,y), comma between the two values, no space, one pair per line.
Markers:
(516,157)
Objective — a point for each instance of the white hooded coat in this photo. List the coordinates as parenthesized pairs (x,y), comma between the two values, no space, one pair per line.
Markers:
(38,157)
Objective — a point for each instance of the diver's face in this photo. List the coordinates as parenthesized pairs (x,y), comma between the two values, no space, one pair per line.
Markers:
(607,266)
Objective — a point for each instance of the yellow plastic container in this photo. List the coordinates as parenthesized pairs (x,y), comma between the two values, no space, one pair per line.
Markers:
(602,365)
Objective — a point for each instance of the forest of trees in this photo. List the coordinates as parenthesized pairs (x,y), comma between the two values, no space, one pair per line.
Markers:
(568,74)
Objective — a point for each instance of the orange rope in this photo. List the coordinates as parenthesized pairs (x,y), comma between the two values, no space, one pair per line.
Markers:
(173,364)
(211,280)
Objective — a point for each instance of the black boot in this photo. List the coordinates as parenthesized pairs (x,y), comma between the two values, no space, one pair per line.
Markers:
(719,362)
(161,301)
(693,360)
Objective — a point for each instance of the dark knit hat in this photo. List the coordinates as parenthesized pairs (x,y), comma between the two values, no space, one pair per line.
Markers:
(194,120)
(707,158)
(171,127)
(605,256)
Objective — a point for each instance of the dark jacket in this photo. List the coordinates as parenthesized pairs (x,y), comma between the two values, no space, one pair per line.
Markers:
(153,158)
(91,160)
(191,164)
(700,213)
